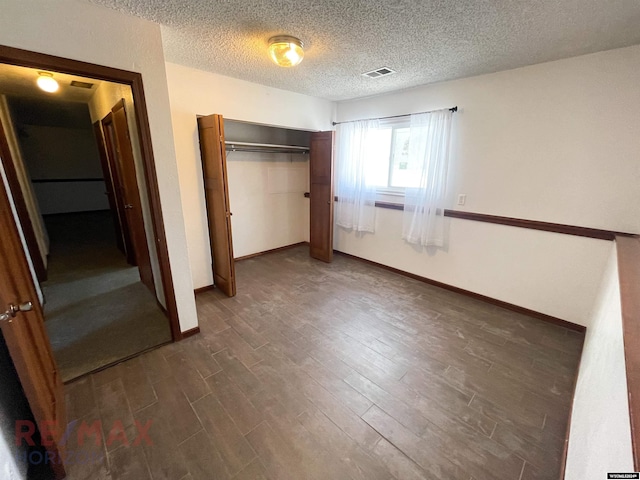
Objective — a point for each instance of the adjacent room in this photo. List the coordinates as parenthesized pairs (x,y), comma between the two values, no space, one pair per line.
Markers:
(97,284)
(381,240)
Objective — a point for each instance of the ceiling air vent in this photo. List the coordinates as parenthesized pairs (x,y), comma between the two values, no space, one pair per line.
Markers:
(380,72)
(75,83)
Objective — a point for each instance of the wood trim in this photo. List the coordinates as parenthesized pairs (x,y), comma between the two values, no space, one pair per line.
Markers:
(628,250)
(144,134)
(29,59)
(47,215)
(509,306)
(273,250)
(520,223)
(206,288)
(190,333)
(390,206)
(537,225)
(65,180)
(25,58)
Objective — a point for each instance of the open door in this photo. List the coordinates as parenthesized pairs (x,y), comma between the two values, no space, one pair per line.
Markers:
(22,324)
(20,203)
(111,150)
(110,186)
(119,148)
(321,196)
(214,170)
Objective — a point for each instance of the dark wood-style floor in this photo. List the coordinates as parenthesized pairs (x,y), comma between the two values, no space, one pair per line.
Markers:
(341,371)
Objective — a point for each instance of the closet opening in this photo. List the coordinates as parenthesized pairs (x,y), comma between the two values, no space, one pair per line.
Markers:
(264,174)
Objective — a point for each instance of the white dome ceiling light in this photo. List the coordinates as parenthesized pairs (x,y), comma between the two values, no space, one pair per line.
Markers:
(47,83)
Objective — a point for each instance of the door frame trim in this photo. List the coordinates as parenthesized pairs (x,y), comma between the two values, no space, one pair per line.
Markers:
(26,58)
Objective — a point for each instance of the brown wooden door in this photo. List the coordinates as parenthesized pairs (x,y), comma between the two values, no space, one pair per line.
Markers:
(321,196)
(21,206)
(27,339)
(110,188)
(111,148)
(131,194)
(216,187)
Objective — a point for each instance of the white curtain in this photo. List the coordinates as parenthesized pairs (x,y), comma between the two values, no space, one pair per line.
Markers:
(423,222)
(356,197)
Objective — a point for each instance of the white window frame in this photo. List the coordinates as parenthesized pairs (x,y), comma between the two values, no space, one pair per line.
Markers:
(389,193)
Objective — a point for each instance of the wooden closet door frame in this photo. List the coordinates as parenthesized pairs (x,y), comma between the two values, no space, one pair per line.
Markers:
(25,58)
(321,196)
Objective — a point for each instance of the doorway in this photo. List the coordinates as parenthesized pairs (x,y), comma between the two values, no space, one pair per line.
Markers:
(104,299)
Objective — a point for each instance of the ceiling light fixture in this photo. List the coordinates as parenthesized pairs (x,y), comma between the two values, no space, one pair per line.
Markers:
(46,82)
(286,51)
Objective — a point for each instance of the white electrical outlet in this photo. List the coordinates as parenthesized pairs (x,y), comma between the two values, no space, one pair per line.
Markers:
(462,198)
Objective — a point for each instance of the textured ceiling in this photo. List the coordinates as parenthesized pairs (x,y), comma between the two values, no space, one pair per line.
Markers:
(424,41)
(21,81)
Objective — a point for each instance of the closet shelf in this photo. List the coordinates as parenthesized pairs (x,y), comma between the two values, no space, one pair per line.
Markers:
(263,147)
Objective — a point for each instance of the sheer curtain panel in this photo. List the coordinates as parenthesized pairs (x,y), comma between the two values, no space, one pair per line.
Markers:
(423,222)
(356,196)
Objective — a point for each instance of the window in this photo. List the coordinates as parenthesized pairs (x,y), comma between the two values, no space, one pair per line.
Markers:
(376,159)
(391,169)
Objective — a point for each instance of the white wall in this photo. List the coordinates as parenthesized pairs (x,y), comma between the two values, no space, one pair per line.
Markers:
(555,142)
(63,153)
(195,92)
(82,31)
(70,197)
(266,193)
(600,440)
(547,272)
(103,100)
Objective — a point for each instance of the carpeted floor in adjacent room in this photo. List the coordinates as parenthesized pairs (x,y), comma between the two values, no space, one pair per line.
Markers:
(97,311)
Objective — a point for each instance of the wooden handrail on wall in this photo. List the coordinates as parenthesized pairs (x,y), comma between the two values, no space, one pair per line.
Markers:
(65,180)
(537,225)
(628,250)
(520,223)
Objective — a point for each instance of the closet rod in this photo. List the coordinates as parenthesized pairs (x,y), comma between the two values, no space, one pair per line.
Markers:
(452,110)
(265,145)
(265,150)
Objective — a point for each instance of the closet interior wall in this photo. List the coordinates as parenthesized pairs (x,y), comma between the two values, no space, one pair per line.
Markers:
(266,187)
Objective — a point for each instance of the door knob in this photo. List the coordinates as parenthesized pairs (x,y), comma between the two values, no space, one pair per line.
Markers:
(128,206)
(13,310)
